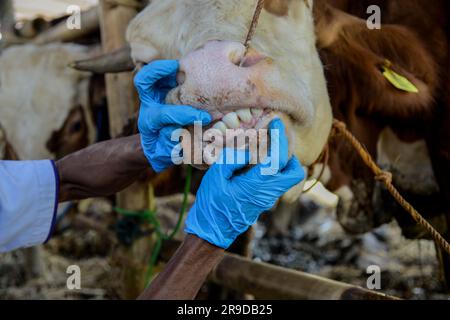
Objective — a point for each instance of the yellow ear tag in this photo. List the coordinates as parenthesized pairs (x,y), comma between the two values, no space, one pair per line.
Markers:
(398,81)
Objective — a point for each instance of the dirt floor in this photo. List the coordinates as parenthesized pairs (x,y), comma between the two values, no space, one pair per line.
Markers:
(319,245)
(316,244)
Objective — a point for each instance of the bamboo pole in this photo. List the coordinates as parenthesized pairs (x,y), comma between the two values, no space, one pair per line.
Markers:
(7,24)
(123,102)
(266,281)
(89,22)
(7,20)
(122,98)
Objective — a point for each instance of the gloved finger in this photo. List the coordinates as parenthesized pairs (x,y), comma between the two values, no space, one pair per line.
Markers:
(232,160)
(153,72)
(278,154)
(292,174)
(279,145)
(181,116)
(170,135)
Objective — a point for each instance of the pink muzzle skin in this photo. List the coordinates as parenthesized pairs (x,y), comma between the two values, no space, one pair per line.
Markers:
(245,95)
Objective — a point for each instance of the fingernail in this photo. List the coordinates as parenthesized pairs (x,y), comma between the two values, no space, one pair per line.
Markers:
(276,123)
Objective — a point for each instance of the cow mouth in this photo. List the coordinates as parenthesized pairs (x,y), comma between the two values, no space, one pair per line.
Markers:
(241,90)
(245,128)
(248,118)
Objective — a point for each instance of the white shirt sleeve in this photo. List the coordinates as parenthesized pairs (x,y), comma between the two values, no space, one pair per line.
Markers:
(28,203)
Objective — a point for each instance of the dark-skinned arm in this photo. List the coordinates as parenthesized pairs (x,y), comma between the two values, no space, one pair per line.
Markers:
(108,167)
(102,169)
(186,272)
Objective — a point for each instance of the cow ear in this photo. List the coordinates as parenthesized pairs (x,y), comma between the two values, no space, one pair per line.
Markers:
(143,53)
(359,56)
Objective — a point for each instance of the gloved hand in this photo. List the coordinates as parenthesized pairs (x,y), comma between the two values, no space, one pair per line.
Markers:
(157,120)
(227,204)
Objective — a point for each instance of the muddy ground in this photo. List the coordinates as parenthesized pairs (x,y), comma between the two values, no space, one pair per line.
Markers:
(315,244)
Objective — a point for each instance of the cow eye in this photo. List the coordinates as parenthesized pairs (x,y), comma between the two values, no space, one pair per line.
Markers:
(76,127)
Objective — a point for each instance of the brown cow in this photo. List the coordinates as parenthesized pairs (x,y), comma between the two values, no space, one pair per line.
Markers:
(406,132)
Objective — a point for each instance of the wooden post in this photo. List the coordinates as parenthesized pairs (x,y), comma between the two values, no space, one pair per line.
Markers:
(89,22)
(123,102)
(122,97)
(2,143)
(7,20)
(266,281)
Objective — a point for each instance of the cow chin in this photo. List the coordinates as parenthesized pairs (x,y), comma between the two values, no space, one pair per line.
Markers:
(240,92)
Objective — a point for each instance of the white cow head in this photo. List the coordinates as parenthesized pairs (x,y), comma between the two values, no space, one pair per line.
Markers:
(282,76)
(40,95)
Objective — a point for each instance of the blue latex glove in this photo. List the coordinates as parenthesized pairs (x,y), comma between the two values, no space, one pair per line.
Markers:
(157,121)
(227,204)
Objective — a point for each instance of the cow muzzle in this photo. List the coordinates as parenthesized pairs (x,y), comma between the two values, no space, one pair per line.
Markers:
(240,91)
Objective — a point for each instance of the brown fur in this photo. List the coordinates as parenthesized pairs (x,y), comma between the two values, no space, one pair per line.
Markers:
(355,54)
(72,137)
(413,39)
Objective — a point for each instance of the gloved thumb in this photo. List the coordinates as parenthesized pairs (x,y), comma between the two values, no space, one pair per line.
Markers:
(182,116)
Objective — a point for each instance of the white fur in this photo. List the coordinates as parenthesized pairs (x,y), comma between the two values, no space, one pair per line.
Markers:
(37,91)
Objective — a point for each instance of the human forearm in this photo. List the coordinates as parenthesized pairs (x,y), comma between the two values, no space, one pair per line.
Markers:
(101,169)
(186,271)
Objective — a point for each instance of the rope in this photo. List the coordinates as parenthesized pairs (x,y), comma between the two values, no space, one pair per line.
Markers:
(323,159)
(252,28)
(380,175)
(386,178)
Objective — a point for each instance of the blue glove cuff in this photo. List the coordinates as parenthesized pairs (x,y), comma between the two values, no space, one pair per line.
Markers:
(205,226)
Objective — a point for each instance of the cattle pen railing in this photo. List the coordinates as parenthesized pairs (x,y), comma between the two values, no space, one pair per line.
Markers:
(267,281)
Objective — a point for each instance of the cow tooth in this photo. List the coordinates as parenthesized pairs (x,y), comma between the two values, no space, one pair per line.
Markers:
(231,120)
(221,127)
(257,112)
(245,115)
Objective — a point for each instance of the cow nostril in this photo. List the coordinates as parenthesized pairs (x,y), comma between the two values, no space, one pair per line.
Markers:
(181,77)
(252,59)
